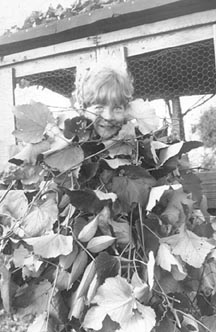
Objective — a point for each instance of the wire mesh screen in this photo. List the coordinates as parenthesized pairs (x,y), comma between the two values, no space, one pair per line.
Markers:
(181,71)
(60,81)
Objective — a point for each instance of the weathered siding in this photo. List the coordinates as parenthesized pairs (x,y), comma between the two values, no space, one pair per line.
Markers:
(6,115)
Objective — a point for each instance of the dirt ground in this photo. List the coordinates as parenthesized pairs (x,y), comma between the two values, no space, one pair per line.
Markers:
(11,324)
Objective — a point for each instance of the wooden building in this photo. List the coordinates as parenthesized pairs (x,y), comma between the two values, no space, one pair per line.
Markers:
(169,46)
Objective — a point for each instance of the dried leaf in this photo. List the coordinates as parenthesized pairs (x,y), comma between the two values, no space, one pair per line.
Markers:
(150,269)
(89,230)
(190,247)
(99,243)
(31,122)
(5,287)
(33,299)
(86,280)
(78,267)
(51,245)
(65,261)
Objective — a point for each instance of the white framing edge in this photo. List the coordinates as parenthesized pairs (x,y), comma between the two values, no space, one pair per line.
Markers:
(214,40)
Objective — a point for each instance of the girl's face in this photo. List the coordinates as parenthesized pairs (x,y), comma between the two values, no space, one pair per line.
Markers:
(107,120)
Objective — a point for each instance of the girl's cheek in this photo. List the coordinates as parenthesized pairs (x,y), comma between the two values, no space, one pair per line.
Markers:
(120,117)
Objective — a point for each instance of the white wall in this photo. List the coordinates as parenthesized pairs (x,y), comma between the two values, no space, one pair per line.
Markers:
(6,115)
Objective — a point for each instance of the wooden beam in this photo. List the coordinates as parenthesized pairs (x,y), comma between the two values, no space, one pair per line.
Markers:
(53,63)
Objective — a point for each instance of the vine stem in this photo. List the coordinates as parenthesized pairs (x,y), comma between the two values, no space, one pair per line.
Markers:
(197,321)
(51,296)
(141,229)
(7,191)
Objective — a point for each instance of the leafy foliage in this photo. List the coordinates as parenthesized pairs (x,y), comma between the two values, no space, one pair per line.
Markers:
(206,127)
(104,235)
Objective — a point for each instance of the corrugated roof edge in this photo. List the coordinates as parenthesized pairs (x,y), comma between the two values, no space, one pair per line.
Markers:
(135,12)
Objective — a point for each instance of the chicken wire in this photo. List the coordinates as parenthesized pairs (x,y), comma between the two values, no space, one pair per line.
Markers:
(181,71)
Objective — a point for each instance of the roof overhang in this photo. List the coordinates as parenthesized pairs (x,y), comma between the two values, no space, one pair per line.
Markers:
(116,17)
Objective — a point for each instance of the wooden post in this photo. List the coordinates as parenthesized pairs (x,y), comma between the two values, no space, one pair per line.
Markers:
(177,119)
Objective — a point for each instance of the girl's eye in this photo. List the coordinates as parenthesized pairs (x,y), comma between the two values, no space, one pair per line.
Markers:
(99,109)
(118,109)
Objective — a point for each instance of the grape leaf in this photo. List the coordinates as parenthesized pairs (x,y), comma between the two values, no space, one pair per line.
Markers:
(166,259)
(192,183)
(116,148)
(169,152)
(101,195)
(116,162)
(190,247)
(122,232)
(174,213)
(143,320)
(19,256)
(208,284)
(31,267)
(39,324)
(190,145)
(107,266)
(190,323)
(119,304)
(157,192)
(31,122)
(131,191)
(65,159)
(85,200)
(51,245)
(209,322)
(30,153)
(40,218)
(14,204)
(144,114)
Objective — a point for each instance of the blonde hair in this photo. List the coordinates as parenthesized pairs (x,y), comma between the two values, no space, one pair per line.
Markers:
(105,84)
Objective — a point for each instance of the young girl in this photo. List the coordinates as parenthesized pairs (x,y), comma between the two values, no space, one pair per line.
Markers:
(104,93)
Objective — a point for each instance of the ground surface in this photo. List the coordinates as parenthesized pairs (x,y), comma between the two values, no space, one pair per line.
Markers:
(7,324)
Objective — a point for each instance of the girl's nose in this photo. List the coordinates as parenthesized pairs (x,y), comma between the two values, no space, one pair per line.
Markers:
(107,113)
